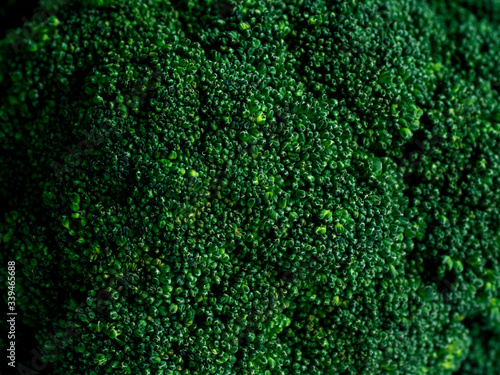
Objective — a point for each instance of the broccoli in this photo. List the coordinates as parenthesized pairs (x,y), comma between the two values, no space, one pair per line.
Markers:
(254,187)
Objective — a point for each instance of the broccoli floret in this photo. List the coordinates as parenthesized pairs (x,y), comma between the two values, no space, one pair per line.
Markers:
(260,187)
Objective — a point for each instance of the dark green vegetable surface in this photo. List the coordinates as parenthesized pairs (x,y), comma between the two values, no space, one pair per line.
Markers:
(264,187)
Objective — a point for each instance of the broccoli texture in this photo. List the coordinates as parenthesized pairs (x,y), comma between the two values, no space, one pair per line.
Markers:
(260,187)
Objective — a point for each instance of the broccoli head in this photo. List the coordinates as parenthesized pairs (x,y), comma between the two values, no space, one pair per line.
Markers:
(260,187)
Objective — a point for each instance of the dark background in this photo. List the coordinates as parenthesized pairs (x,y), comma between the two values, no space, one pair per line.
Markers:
(12,12)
